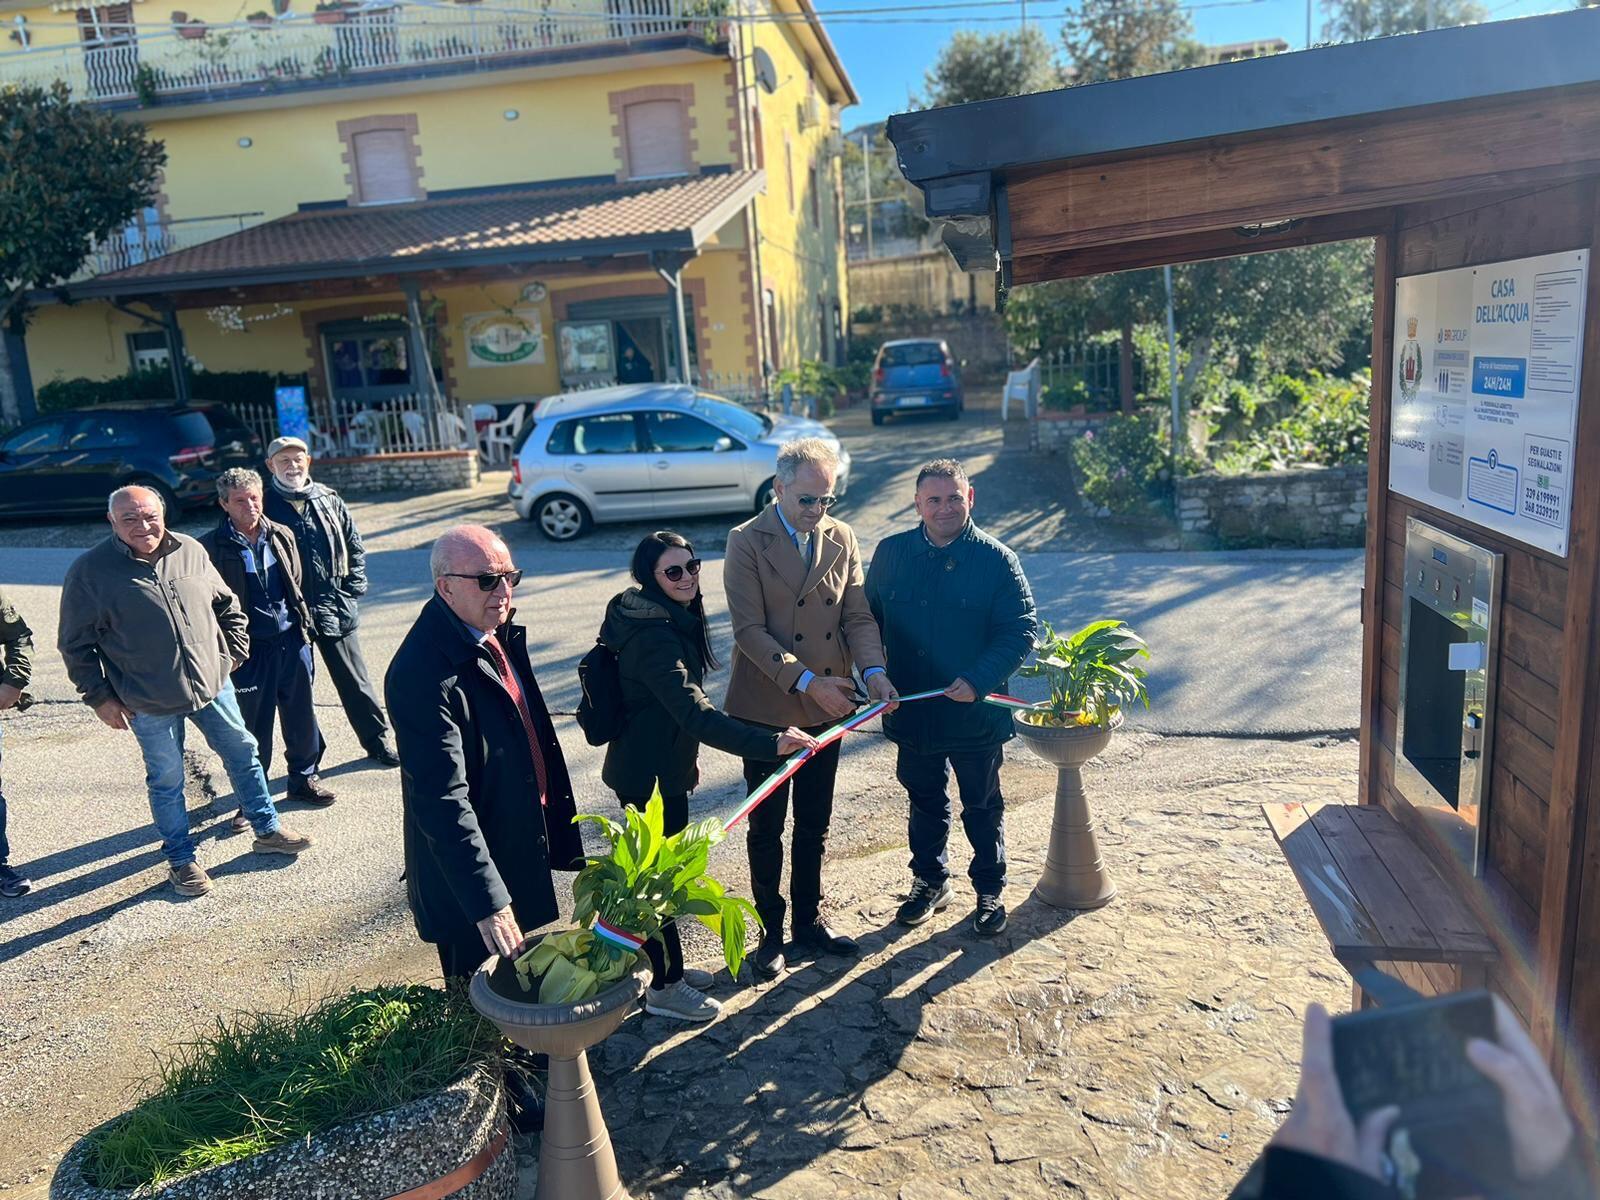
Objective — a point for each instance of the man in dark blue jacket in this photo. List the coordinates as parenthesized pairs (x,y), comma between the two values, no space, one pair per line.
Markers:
(957,614)
(335,566)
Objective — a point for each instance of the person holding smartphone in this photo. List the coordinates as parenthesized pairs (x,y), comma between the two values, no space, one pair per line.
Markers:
(1321,1152)
(658,631)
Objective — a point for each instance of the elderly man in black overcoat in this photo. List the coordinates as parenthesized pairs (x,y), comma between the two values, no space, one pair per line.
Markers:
(488,802)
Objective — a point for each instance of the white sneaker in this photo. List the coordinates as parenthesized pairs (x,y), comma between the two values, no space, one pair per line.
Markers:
(680,1002)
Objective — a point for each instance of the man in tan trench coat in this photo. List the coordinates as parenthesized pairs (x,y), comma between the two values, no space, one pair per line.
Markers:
(800,623)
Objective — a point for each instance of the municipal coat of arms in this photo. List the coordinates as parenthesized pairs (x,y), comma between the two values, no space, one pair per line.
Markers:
(1410,363)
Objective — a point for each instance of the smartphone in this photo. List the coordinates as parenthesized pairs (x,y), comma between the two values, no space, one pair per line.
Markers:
(1451,1138)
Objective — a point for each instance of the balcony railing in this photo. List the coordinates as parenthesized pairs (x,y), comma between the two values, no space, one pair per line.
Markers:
(358,41)
(141,243)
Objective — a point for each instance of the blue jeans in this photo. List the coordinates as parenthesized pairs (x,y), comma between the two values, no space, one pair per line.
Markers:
(161,741)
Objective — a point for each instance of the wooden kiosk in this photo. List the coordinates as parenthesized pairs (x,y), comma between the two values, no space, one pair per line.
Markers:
(1472,157)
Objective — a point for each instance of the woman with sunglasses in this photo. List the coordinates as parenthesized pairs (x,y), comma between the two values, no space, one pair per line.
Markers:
(659,634)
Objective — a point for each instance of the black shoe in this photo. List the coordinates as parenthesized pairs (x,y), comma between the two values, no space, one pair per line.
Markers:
(383,754)
(925,900)
(309,788)
(820,938)
(13,883)
(768,961)
(990,918)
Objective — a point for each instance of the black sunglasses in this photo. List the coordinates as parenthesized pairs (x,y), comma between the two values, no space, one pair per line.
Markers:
(675,573)
(489,580)
(824,502)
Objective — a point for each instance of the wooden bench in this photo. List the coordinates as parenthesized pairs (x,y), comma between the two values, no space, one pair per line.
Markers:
(1375,894)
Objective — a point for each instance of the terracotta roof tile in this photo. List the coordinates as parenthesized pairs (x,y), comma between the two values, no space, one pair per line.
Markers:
(387,238)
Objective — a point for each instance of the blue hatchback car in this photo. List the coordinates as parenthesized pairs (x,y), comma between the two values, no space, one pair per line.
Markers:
(915,375)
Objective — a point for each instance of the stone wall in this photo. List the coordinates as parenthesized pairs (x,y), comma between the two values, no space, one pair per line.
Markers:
(424,471)
(1307,506)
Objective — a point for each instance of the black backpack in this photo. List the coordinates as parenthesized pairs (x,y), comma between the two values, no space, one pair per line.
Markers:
(601,712)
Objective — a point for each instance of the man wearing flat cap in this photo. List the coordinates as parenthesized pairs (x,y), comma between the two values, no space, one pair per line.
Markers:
(334,563)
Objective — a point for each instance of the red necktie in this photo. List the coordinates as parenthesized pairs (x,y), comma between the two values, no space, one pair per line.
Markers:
(508,679)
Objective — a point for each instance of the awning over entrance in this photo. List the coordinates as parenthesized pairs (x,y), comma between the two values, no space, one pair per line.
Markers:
(512,226)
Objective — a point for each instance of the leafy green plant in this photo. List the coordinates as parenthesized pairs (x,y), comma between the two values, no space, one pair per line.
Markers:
(645,880)
(817,379)
(260,1080)
(1123,463)
(1312,421)
(1091,673)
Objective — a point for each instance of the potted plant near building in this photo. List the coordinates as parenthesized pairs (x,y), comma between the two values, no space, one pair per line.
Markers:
(260,20)
(1092,674)
(192,30)
(571,990)
(330,12)
(371,1094)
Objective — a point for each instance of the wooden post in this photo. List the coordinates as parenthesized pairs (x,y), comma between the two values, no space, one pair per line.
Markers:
(1383,280)
(1576,759)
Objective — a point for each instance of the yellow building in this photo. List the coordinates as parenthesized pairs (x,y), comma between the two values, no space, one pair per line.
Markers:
(506,195)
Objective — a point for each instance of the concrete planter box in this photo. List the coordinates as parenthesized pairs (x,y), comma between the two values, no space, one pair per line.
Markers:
(1303,506)
(419,472)
(455,1138)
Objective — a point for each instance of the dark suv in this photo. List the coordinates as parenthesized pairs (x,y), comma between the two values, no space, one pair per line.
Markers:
(69,462)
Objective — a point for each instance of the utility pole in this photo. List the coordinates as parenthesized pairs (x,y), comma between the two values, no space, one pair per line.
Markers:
(866,174)
(1178,431)
(1428,24)
(1308,24)
(1024,16)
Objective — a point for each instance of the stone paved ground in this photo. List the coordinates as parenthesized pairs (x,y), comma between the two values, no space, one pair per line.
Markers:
(1144,1050)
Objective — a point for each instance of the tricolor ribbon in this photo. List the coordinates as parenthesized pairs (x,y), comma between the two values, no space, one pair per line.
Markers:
(786,772)
(617,937)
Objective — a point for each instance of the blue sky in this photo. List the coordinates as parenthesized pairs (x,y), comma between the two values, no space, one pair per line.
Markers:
(888,60)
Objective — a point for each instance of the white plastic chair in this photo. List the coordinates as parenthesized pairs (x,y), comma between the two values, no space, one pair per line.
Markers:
(321,443)
(498,438)
(453,431)
(364,433)
(1022,385)
(416,429)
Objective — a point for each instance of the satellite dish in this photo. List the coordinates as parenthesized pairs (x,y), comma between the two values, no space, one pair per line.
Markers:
(766,73)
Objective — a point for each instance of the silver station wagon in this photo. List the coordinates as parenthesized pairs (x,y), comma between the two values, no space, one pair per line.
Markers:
(646,452)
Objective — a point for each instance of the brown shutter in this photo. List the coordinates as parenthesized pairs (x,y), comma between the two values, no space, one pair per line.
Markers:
(658,142)
(383,166)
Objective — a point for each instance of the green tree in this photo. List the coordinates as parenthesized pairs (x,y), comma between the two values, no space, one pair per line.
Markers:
(987,66)
(70,175)
(1358,20)
(1116,39)
(896,209)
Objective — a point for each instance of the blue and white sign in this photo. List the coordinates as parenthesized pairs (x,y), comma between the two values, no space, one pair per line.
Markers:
(1484,396)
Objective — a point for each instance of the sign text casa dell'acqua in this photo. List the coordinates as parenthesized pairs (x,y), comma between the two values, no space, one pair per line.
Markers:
(1484,408)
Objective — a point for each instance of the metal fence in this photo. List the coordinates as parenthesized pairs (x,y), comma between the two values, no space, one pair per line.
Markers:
(337,42)
(403,424)
(140,243)
(1087,374)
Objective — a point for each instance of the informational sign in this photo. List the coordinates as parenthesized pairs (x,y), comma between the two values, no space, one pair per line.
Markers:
(294,420)
(504,339)
(1484,406)
(586,349)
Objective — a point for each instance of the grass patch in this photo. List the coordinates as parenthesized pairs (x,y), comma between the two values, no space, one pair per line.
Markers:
(259,1080)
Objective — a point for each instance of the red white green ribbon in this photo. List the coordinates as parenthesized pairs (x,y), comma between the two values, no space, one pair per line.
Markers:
(617,937)
(787,771)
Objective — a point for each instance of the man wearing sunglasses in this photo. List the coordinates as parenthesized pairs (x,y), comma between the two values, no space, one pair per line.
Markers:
(801,623)
(488,803)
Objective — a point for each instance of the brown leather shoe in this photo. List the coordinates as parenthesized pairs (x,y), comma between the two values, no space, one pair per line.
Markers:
(240,823)
(310,789)
(189,880)
(282,841)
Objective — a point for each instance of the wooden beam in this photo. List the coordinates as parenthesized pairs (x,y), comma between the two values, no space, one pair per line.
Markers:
(1197,247)
(1383,278)
(1338,166)
(1577,758)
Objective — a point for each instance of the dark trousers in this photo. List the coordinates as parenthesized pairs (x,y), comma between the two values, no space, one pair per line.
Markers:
(813,809)
(348,670)
(5,846)
(666,955)
(924,776)
(276,679)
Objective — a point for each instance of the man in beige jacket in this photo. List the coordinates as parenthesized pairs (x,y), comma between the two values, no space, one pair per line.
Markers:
(800,623)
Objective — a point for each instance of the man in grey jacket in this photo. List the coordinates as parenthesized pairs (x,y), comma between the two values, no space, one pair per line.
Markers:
(150,633)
